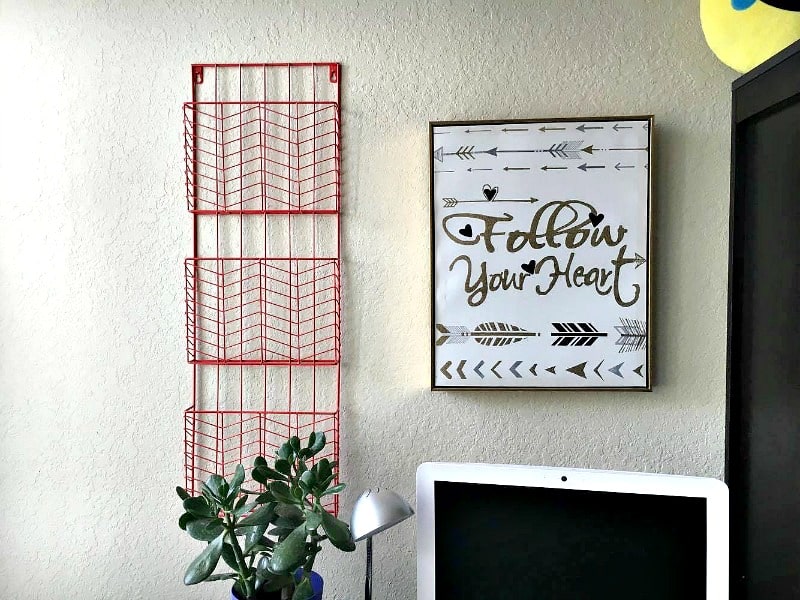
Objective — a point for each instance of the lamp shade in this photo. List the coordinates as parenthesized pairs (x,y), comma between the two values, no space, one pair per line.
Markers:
(377,510)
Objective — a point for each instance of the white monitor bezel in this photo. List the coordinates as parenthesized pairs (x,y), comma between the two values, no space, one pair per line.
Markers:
(714,491)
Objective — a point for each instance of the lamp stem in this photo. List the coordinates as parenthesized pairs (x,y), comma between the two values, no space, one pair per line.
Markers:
(368,579)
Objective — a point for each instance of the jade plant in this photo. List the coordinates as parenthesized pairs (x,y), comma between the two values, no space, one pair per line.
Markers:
(271,543)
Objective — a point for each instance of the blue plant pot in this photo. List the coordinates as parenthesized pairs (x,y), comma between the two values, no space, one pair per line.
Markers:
(316,585)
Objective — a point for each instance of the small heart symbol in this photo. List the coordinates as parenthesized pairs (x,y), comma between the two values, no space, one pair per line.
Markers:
(489,192)
(466,231)
(529,266)
(595,218)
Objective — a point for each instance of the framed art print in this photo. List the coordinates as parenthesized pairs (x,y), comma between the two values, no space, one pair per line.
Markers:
(541,238)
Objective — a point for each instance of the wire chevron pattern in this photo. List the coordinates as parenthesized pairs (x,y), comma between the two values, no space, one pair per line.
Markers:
(575,334)
(485,334)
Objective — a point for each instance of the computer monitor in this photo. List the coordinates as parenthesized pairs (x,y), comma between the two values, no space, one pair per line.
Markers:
(520,532)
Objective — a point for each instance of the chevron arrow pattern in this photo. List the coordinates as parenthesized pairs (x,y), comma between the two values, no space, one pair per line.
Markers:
(499,368)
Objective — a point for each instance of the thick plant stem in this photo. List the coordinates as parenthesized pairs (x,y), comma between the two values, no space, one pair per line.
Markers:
(244,572)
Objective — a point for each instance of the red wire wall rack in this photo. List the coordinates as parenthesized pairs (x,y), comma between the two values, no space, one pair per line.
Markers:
(263,286)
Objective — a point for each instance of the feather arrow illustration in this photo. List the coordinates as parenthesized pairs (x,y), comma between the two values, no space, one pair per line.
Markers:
(451,202)
(567,150)
(575,334)
(486,334)
(632,335)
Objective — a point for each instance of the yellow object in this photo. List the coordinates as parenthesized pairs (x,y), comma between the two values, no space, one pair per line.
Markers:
(743,39)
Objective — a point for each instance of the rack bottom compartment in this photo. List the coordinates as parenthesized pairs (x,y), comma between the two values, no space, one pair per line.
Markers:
(215,442)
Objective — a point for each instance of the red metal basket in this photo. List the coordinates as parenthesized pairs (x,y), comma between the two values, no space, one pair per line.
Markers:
(263,286)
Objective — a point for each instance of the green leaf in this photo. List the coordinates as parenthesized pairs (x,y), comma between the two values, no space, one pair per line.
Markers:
(260,460)
(294,442)
(311,439)
(313,520)
(198,506)
(338,532)
(334,490)
(229,556)
(289,523)
(221,576)
(205,530)
(262,516)
(316,442)
(262,474)
(303,591)
(237,480)
(289,554)
(281,493)
(185,519)
(283,466)
(215,485)
(205,563)
(277,582)
(309,479)
(285,451)
(253,537)
(182,493)
(265,497)
(290,511)
(245,508)
(324,469)
(280,532)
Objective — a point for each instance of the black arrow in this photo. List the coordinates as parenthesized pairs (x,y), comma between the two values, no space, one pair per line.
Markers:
(513,368)
(546,168)
(451,202)
(516,169)
(460,369)
(584,167)
(533,369)
(509,130)
(597,370)
(616,370)
(575,334)
(617,127)
(444,368)
(543,129)
(551,370)
(578,370)
(444,171)
(583,128)
(476,130)
(639,260)
(471,169)
(497,364)
(620,166)
(463,152)
(638,370)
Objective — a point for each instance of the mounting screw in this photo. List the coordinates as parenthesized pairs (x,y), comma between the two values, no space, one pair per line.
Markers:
(333,73)
(197,73)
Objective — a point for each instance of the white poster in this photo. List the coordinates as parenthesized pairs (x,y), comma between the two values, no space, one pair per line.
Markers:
(541,254)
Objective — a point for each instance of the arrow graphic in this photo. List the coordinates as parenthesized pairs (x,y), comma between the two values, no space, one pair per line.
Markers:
(597,370)
(533,369)
(551,370)
(516,169)
(566,150)
(584,128)
(476,130)
(543,129)
(638,370)
(616,370)
(639,260)
(451,202)
(444,171)
(508,130)
(617,127)
(575,334)
(584,167)
(578,370)
(513,368)
(460,369)
(471,169)
(632,335)
(497,364)
(548,168)
(477,369)
(620,166)
(486,334)
(444,368)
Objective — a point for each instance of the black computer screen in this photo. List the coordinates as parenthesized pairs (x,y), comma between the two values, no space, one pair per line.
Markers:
(520,543)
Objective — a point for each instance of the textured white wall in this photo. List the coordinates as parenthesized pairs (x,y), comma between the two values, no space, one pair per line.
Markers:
(93,231)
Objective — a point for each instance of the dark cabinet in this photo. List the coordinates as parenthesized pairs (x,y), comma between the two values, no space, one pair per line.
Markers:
(763,396)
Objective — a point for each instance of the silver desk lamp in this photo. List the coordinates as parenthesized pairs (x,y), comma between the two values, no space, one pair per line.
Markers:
(375,511)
